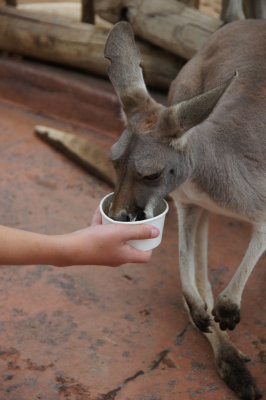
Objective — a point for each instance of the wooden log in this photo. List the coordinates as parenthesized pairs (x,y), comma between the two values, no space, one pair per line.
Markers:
(67,10)
(169,24)
(75,44)
(94,158)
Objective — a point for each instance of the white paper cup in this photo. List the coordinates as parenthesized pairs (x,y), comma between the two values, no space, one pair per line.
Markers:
(157,221)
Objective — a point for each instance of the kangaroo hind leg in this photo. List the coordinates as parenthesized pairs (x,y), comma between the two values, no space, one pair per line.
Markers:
(230,362)
(227,307)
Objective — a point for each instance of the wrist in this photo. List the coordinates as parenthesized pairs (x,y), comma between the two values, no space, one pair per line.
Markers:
(72,249)
(59,252)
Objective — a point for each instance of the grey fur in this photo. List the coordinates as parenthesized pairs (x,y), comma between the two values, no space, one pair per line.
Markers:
(124,70)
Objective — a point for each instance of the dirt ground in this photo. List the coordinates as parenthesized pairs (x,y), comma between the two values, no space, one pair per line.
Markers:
(97,333)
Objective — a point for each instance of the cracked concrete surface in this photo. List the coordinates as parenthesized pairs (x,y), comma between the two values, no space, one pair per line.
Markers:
(97,333)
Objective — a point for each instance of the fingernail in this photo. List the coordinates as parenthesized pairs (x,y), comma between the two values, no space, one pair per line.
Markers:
(155,232)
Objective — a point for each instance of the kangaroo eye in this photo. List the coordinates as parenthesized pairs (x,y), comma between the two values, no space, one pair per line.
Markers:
(152,177)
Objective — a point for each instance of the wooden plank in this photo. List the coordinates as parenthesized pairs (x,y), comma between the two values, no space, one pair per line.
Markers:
(92,157)
(76,45)
(169,24)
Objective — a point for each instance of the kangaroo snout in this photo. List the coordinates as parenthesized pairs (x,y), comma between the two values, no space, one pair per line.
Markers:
(123,215)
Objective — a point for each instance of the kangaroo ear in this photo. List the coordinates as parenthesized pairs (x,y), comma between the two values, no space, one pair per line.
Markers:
(179,118)
(124,70)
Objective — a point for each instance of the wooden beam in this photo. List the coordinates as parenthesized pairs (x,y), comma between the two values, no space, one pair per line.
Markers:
(68,10)
(169,24)
(76,45)
(94,158)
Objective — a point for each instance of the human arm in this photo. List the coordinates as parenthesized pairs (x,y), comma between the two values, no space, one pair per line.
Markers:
(95,245)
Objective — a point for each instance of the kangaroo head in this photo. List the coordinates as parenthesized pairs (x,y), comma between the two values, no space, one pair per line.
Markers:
(148,165)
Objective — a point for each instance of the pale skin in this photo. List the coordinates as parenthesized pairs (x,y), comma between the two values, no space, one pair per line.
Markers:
(96,245)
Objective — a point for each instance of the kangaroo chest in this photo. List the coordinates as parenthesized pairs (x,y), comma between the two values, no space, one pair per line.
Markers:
(188,193)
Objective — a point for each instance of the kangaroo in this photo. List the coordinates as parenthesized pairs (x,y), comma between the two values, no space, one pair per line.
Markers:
(208,149)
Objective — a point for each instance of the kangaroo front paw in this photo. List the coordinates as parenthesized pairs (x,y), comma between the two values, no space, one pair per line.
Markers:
(199,315)
(226,313)
(201,319)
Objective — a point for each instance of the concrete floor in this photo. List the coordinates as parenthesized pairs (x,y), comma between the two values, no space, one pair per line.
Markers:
(96,333)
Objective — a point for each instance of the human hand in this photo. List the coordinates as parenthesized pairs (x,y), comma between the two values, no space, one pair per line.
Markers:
(107,244)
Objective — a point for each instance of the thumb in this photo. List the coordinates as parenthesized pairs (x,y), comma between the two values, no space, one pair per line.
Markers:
(97,218)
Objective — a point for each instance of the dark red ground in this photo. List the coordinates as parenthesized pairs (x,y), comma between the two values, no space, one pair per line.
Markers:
(96,333)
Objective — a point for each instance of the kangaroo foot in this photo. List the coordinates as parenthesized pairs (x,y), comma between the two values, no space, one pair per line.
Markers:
(199,314)
(226,313)
(232,369)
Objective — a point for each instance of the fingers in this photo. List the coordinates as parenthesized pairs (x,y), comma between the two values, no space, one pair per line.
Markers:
(97,218)
(138,256)
(115,238)
(138,232)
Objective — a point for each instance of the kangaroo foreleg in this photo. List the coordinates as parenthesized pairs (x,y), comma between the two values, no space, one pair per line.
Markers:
(189,217)
(201,259)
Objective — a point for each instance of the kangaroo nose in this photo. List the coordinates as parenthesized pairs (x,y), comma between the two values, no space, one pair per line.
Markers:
(122,217)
